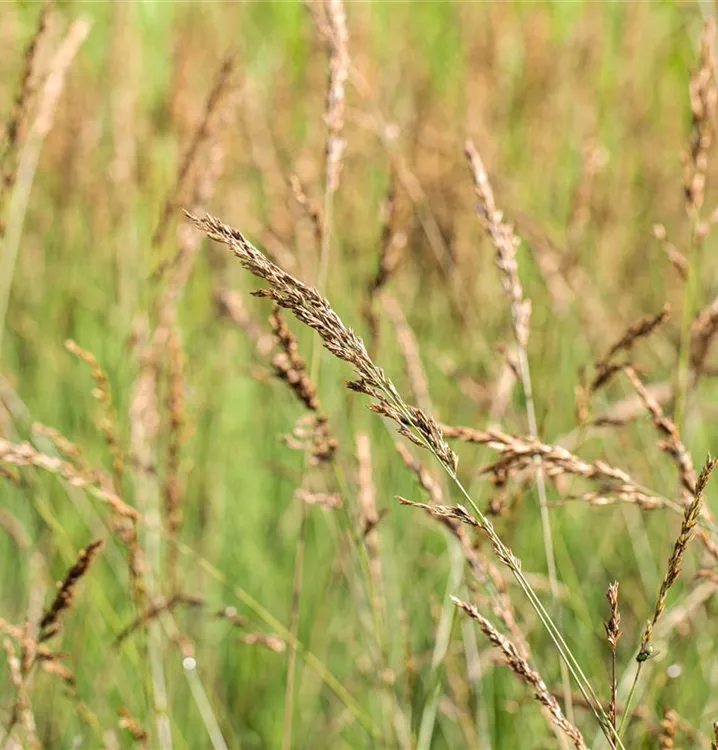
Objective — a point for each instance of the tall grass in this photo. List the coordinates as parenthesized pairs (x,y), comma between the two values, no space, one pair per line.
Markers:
(207,539)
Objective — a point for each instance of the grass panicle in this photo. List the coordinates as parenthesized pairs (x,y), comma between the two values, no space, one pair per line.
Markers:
(523,670)
(50,623)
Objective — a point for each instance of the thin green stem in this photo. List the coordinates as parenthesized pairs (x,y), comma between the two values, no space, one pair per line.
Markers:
(629,700)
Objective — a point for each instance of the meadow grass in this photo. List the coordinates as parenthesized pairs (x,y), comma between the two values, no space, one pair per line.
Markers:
(221,512)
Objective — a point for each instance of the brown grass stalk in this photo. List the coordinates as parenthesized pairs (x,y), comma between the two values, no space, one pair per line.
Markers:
(671,442)
(675,257)
(506,243)
(156,609)
(686,533)
(703,331)
(517,451)
(51,621)
(108,421)
(310,308)
(703,97)
(454,518)
(523,670)
(313,435)
(338,74)
(673,446)
(613,633)
(23,454)
(606,366)
(339,61)
(65,447)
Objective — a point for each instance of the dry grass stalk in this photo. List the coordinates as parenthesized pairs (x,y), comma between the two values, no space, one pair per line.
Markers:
(506,243)
(523,670)
(108,422)
(703,330)
(427,481)
(331,501)
(156,609)
(182,191)
(51,621)
(457,512)
(613,633)
(714,744)
(20,115)
(703,96)
(673,446)
(313,310)
(676,258)
(268,640)
(687,530)
(66,447)
(669,727)
(606,366)
(454,518)
(311,435)
(289,366)
(517,452)
(57,669)
(672,443)
(310,308)
(631,407)
(23,454)
(338,73)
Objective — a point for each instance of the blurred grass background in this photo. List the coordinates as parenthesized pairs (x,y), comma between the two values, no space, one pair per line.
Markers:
(541,88)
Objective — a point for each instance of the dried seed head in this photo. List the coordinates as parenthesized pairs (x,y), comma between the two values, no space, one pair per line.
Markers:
(310,308)
(687,530)
(523,670)
(613,625)
(50,622)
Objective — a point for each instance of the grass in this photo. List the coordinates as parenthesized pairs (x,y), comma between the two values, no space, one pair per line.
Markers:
(581,114)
